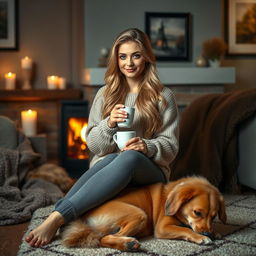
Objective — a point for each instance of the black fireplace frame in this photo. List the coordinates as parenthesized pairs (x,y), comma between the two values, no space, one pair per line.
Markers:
(71,108)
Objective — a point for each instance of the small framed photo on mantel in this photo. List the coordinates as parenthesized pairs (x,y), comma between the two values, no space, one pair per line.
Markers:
(8,24)
(169,34)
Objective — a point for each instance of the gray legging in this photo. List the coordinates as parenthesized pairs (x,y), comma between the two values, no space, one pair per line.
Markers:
(106,179)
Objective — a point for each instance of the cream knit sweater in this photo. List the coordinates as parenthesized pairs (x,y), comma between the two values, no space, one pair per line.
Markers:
(161,148)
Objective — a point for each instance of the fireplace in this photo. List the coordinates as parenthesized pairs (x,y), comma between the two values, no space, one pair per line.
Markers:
(74,153)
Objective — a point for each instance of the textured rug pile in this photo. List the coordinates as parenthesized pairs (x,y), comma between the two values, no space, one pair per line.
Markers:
(238,237)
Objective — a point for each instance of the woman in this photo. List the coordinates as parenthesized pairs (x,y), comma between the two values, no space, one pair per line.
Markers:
(131,80)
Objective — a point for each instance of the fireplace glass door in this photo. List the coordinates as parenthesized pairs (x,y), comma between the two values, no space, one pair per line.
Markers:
(74,153)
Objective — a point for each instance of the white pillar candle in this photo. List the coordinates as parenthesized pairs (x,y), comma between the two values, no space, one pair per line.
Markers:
(26,63)
(28,122)
(62,83)
(52,82)
(10,80)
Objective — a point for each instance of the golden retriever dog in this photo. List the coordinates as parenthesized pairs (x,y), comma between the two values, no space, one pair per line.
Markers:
(183,209)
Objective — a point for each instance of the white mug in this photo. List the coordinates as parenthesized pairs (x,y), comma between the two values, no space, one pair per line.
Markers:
(122,137)
(128,121)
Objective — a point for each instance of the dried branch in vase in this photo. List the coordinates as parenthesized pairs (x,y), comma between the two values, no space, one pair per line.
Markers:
(214,49)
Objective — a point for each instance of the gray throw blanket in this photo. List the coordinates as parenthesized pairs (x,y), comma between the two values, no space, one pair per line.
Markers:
(19,197)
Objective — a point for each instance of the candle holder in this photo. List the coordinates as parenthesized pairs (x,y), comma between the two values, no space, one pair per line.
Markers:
(27,68)
(27,77)
(103,60)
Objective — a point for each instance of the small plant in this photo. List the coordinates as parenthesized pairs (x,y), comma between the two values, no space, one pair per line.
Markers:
(214,49)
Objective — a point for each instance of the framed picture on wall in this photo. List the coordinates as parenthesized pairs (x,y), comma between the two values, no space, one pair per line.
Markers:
(240,26)
(169,34)
(8,24)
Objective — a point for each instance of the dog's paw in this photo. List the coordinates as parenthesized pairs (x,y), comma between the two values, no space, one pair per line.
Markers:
(206,240)
(132,245)
(200,239)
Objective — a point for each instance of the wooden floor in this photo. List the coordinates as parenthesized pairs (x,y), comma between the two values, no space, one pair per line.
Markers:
(10,238)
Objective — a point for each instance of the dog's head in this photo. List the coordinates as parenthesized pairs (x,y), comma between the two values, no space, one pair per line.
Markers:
(195,202)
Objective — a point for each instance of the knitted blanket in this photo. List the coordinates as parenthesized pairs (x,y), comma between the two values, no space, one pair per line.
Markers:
(209,135)
(19,197)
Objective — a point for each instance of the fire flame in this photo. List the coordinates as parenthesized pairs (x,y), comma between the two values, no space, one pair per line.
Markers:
(77,146)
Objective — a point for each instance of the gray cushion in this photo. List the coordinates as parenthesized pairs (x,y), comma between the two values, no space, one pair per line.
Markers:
(8,133)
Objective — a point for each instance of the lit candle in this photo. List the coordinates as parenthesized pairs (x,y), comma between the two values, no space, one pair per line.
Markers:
(26,63)
(52,82)
(62,83)
(28,122)
(10,80)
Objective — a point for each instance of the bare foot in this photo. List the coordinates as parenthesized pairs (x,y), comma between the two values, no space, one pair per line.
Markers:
(45,232)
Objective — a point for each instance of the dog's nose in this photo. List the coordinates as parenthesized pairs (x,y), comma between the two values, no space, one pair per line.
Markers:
(209,234)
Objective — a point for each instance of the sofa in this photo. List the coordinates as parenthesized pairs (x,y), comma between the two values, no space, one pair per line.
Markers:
(27,182)
(217,140)
(17,159)
(247,153)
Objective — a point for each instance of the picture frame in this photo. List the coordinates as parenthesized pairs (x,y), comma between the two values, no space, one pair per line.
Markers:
(8,25)
(240,34)
(169,34)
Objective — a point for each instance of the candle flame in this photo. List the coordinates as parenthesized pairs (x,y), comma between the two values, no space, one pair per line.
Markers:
(10,75)
(29,112)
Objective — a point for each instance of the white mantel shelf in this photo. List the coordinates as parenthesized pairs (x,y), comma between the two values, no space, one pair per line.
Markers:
(175,76)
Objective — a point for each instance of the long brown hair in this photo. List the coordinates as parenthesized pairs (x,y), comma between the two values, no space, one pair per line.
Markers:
(150,86)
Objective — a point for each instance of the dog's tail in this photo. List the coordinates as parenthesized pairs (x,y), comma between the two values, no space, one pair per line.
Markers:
(78,234)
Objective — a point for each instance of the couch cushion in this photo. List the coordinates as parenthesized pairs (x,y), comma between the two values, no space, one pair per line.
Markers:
(8,133)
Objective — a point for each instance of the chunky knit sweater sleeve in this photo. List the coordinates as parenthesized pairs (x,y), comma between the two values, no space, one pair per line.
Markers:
(99,136)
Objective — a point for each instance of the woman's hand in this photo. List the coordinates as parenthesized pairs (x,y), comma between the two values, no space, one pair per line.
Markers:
(117,115)
(137,144)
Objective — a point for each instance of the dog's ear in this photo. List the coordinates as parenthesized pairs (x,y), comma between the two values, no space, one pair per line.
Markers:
(177,198)
(222,210)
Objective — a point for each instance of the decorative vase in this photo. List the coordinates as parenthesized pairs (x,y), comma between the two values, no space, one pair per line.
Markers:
(27,76)
(27,72)
(214,63)
(201,61)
